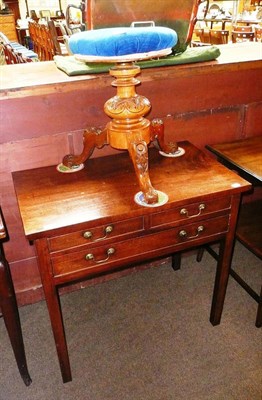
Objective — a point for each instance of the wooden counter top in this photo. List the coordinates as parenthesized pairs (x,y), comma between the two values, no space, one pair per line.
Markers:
(46,76)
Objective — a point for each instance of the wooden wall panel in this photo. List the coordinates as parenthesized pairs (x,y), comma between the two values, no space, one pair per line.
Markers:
(253,120)
(201,92)
(48,114)
(204,127)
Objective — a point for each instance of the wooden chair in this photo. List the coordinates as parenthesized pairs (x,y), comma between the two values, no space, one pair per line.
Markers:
(9,54)
(14,57)
(218,36)
(8,305)
(242,28)
(47,44)
(33,32)
(258,33)
(198,33)
(238,37)
(204,38)
(61,29)
(15,53)
(42,41)
(249,233)
(58,40)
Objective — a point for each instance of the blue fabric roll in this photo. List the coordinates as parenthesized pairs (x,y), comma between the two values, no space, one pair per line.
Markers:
(111,42)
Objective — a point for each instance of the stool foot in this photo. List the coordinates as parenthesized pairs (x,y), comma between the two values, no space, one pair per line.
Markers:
(92,138)
(138,152)
(157,135)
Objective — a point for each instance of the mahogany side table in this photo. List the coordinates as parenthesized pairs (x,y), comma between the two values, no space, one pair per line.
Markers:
(245,157)
(87,223)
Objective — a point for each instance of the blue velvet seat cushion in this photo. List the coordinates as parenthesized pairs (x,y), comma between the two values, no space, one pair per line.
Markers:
(111,42)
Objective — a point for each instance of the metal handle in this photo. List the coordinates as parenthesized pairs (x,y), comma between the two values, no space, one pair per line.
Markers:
(183,233)
(108,229)
(109,252)
(184,211)
(142,24)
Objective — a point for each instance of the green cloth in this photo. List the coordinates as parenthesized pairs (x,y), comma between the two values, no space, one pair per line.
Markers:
(73,67)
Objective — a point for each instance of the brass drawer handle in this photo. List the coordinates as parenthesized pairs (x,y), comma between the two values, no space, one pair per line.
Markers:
(109,252)
(201,207)
(183,233)
(108,229)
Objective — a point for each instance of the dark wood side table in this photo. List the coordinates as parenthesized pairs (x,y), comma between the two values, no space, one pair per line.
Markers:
(245,157)
(87,223)
(8,306)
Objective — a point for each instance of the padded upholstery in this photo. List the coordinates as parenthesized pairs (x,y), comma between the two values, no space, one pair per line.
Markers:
(122,41)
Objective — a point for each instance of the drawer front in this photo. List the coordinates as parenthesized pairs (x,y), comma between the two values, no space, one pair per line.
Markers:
(7,26)
(104,257)
(190,212)
(10,33)
(7,19)
(95,235)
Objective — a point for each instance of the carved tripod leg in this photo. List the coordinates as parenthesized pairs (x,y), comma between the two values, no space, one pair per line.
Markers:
(139,154)
(92,137)
(157,134)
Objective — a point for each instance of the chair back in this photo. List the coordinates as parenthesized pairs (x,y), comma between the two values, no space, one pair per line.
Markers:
(180,15)
(258,33)
(42,41)
(33,33)
(242,37)
(58,40)
(203,35)
(13,57)
(199,33)
(218,36)
(242,28)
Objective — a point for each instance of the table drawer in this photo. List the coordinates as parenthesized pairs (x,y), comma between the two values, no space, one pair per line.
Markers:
(95,235)
(99,258)
(190,212)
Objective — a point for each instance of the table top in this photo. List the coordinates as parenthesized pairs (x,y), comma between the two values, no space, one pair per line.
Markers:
(103,192)
(244,155)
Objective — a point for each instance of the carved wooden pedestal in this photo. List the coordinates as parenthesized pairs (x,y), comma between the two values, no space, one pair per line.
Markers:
(128,130)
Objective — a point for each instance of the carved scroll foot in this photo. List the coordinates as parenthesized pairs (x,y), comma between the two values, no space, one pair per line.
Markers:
(157,135)
(92,138)
(139,154)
